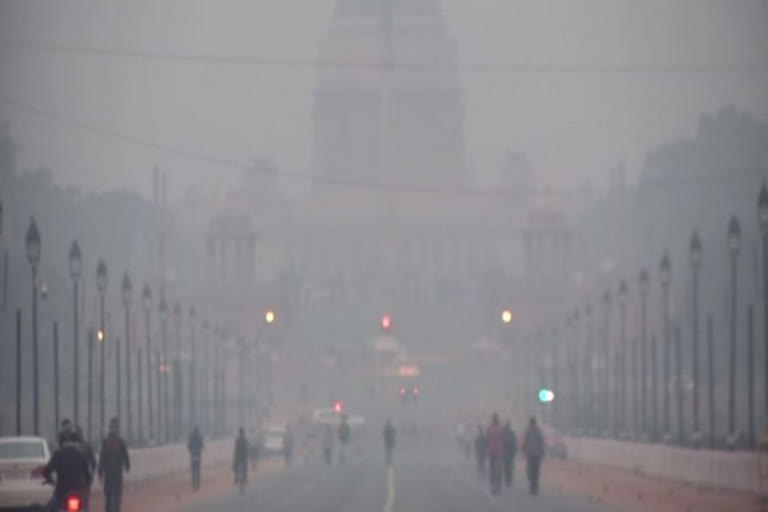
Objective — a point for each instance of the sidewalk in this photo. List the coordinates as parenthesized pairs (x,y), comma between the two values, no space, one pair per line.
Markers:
(174,492)
(630,492)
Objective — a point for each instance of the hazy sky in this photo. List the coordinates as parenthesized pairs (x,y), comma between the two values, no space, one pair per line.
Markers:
(573,126)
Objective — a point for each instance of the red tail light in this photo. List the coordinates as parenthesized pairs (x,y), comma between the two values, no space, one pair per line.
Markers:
(415,391)
(402,391)
(73,504)
(37,472)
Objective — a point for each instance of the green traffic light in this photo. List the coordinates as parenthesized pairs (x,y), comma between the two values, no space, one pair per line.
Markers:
(546,395)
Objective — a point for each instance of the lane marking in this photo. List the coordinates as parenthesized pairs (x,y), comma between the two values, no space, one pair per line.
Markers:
(390,489)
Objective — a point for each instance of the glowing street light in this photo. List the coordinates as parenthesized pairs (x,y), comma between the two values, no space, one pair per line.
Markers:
(506,316)
(269,316)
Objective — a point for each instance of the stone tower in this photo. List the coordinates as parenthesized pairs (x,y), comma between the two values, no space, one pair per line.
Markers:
(389,110)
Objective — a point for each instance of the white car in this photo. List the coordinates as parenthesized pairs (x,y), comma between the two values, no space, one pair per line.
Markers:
(22,460)
(273,443)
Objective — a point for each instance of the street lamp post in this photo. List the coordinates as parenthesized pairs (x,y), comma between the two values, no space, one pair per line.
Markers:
(101,286)
(205,404)
(146,303)
(177,381)
(163,313)
(762,216)
(127,293)
(89,394)
(734,246)
(644,283)
(621,359)
(75,270)
(606,357)
(192,369)
(665,276)
(695,259)
(589,380)
(33,257)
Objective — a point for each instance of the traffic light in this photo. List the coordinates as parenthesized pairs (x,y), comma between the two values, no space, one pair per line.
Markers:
(269,316)
(338,407)
(506,316)
(546,395)
(386,323)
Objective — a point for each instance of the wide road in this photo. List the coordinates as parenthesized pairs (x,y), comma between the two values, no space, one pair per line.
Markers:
(413,484)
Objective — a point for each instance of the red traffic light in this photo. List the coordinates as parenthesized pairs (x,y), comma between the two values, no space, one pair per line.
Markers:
(386,322)
(338,406)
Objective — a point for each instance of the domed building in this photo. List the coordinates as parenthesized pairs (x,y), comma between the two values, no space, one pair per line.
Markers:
(392,222)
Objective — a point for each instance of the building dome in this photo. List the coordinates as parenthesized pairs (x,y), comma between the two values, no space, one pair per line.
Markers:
(396,9)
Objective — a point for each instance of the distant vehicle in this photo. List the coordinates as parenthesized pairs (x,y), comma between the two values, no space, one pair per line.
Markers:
(273,445)
(554,444)
(22,460)
(410,393)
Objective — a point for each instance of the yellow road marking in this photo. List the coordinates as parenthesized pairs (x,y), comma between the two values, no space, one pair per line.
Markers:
(390,489)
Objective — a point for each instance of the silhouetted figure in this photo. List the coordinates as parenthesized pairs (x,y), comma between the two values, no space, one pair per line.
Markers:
(240,460)
(510,451)
(71,468)
(345,434)
(195,447)
(113,461)
(495,453)
(481,450)
(389,441)
(533,446)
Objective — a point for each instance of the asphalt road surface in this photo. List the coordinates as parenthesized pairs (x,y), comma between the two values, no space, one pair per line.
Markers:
(412,484)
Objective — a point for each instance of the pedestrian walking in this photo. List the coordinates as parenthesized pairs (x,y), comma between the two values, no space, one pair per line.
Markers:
(481,450)
(533,446)
(195,447)
(113,462)
(495,440)
(510,451)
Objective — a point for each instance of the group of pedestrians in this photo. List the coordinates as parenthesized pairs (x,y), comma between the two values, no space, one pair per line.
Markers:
(74,464)
(496,447)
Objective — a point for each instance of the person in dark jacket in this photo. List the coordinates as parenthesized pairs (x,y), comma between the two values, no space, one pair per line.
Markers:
(240,459)
(113,461)
(195,448)
(510,450)
(481,450)
(71,468)
(533,446)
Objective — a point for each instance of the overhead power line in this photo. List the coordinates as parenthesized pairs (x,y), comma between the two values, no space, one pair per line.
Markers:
(356,184)
(477,68)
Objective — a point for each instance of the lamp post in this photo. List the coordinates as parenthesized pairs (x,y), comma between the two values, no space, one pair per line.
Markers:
(177,372)
(33,257)
(734,246)
(643,284)
(192,369)
(694,250)
(163,313)
(665,277)
(127,293)
(205,390)
(75,270)
(621,358)
(605,373)
(762,216)
(101,286)
(146,303)
(589,382)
